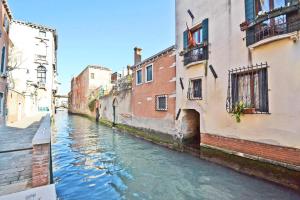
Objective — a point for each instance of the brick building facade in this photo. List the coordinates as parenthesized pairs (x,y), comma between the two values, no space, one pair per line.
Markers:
(153,91)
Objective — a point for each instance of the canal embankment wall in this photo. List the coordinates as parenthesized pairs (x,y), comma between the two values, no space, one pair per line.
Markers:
(285,175)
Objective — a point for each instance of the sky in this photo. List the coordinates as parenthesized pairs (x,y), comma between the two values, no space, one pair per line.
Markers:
(102,32)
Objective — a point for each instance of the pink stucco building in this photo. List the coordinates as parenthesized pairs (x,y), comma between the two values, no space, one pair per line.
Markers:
(5,18)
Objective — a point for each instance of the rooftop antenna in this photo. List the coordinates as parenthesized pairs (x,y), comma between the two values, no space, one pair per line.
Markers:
(191,15)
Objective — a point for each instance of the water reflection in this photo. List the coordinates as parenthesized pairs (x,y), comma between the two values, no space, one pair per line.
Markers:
(94,162)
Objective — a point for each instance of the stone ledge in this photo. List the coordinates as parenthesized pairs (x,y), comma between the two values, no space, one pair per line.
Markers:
(43,134)
(45,192)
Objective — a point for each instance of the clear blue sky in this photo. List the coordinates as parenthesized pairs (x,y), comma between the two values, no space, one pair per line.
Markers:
(101,32)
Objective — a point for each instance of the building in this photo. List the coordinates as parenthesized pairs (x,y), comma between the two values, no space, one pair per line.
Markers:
(154,91)
(32,69)
(238,78)
(5,18)
(91,78)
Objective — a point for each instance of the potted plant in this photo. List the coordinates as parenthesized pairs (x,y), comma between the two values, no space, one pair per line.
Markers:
(238,111)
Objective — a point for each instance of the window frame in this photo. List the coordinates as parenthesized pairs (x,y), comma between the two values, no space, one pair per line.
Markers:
(3,60)
(136,76)
(258,105)
(191,90)
(41,70)
(157,107)
(146,73)
(92,75)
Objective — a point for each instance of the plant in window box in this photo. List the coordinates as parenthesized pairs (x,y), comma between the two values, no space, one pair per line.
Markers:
(238,111)
(249,110)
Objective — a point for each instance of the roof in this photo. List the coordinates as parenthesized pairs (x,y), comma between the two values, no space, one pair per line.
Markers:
(98,67)
(94,67)
(9,13)
(155,56)
(33,25)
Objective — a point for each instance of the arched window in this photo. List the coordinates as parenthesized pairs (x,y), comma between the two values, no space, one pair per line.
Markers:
(3,58)
(41,74)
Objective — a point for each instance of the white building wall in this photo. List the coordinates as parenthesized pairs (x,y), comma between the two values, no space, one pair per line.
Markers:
(227,50)
(28,43)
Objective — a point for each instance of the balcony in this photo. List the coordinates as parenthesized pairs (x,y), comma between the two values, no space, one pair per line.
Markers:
(196,54)
(274,27)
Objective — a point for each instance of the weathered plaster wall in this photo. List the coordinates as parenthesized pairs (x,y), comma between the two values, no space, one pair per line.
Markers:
(228,50)
(15,106)
(123,110)
(23,78)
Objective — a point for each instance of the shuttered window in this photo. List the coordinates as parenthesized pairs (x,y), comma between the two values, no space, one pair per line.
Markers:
(3,58)
(1,103)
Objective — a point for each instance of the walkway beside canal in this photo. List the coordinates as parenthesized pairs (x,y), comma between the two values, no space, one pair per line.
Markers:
(16,155)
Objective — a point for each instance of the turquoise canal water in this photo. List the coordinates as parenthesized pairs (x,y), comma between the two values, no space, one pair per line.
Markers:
(93,162)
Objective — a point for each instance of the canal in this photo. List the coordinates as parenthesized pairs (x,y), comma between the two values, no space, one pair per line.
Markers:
(91,161)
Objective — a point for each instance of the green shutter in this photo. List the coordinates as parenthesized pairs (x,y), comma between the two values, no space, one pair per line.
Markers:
(250,16)
(250,10)
(205,30)
(185,39)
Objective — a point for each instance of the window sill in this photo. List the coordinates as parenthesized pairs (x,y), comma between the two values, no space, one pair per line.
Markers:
(149,81)
(194,99)
(195,63)
(292,36)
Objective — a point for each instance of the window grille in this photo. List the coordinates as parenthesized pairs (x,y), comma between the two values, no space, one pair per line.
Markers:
(161,102)
(248,85)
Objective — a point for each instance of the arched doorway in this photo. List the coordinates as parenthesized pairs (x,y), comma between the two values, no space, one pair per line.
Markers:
(191,128)
(114,105)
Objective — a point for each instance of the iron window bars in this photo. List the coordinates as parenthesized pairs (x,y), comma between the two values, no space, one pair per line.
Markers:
(161,102)
(248,85)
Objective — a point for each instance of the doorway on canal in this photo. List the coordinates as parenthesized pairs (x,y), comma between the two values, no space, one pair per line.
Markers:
(114,105)
(191,127)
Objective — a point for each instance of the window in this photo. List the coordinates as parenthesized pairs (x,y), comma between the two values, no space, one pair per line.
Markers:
(162,102)
(268,5)
(149,73)
(92,76)
(41,74)
(251,88)
(3,61)
(1,103)
(139,77)
(198,35)
(195,89)
(42,34)
(199,52)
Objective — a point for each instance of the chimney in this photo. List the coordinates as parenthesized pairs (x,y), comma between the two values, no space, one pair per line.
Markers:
(137,55)
(128,70)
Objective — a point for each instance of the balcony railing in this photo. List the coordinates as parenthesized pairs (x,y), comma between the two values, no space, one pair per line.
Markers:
(196,54)
(274,27)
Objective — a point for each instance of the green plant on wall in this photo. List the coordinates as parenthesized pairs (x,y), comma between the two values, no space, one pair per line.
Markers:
(92,105)
(238,111)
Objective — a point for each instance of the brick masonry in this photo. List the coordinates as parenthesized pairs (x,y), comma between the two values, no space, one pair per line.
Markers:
(40,165)
(276,153)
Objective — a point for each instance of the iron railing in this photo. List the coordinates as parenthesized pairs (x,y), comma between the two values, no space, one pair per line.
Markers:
(274,27)
(196,54)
